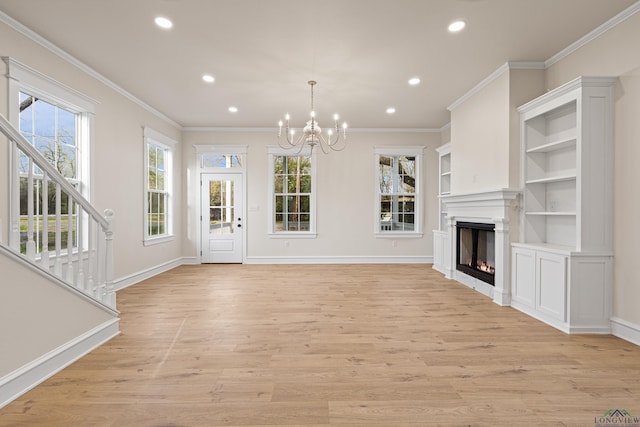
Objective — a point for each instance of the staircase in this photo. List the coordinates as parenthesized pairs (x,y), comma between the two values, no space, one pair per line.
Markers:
(73,241)
(57,301)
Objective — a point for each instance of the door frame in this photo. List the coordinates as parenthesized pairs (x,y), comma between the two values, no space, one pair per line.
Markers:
(201,152)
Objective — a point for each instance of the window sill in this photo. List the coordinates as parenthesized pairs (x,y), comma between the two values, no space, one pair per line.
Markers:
(157,240)
(398,235)
(293,235)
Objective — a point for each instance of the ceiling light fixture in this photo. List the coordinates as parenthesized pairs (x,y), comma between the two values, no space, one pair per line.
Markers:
(391,110)
(208,78)
(163,22)
(233,109)
(456,26)
(312,134)
(414,81)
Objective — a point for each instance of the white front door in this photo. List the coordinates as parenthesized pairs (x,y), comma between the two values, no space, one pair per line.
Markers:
(221,218)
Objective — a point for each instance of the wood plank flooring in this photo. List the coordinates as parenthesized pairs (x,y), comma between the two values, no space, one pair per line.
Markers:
(331,345)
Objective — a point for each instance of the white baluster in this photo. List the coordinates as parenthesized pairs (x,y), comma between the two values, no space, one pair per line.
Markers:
(70,274)
(44,253)
(110,295)
(80,283)
(31,245)
(91,229)
(57,267)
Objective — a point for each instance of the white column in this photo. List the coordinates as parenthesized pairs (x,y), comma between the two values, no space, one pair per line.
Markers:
(450,248)
(502,282)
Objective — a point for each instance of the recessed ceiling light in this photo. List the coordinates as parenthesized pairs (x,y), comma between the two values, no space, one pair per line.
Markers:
(456,26)
(391,110)
(163,22)
(208,78)
(233,109)
(414,81)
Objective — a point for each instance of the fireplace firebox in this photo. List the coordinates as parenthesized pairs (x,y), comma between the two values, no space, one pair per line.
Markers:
(476,250)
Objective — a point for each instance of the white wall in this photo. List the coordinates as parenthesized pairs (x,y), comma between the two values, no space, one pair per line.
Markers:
(485,130)
(480,140)
(117,152)
(616,53)
(345,198)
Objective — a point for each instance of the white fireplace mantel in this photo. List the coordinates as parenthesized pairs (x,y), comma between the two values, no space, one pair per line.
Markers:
(491,207)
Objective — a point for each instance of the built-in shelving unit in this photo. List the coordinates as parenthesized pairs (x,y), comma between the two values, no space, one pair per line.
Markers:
(445,179)
(441,241)
(561,268)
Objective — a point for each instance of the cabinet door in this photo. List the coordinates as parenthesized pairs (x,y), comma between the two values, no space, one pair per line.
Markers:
(551,273)
(524,276)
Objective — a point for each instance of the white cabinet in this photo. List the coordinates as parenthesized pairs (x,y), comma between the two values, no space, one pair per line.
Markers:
(568,290)
(441,240)
(567,206)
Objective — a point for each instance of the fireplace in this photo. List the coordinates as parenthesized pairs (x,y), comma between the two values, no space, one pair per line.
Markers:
(476,250)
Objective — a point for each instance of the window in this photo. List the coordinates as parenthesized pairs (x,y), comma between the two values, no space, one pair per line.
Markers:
(52,130)
(398,191)
(224,161)
(158,184)
(57,121)
(292,192)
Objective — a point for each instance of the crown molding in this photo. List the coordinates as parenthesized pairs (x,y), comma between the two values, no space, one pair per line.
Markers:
(17,26)
(275,130)
(611,23)
(511,65)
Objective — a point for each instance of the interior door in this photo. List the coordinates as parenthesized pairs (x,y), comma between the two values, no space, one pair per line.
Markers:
(221,218)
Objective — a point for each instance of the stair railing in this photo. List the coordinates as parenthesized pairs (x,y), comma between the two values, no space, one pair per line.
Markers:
(77,245)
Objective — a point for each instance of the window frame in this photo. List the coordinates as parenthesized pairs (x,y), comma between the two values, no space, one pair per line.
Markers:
(275,151)
(24,79)
(418,153)
(157,139)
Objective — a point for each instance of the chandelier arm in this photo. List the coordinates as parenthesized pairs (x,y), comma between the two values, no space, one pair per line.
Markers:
(322,143)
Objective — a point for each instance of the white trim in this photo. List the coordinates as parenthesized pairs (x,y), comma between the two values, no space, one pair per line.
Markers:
(625,330)
(132,279)
(39,370)
(150,133)
(398,235)
(49,89)
(511,65)
(150,241)
(339,260)
(592,35)
(292,235)
(274,130)
(82,66)
(221,149)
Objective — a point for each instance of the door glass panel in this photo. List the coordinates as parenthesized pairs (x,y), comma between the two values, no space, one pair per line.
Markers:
(221,207)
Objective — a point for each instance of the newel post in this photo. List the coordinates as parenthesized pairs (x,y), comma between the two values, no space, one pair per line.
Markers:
(109,293)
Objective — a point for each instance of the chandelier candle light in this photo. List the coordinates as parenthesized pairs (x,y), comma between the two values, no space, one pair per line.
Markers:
(312,133)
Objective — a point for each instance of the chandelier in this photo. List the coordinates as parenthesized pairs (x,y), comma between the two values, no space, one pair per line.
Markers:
(312,133)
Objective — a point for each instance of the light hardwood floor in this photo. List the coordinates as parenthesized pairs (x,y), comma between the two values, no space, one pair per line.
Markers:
(331,345)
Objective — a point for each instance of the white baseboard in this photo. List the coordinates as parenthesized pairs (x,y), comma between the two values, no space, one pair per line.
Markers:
(27,377)
(626,330)
(339,260)
(132,279)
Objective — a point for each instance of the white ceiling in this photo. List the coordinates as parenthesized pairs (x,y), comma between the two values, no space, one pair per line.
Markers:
(263,52)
